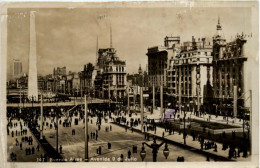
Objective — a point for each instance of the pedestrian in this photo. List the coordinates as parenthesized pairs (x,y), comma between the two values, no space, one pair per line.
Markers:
(38,147)
(96,137)
(216,148)
(45,157)
(29,151)
(41,158)
(99,150)
(60,148)
(21,146)
(109,145)
(163,134)
(110,128)
(129,154)
(208,158)
(33,150)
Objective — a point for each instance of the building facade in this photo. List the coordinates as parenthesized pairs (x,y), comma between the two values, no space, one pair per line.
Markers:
(158,61)
(228,72)
(113,71)
(189,73)
(17,68)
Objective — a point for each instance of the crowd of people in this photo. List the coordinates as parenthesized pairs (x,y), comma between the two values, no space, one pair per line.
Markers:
(17,131)
(18,127)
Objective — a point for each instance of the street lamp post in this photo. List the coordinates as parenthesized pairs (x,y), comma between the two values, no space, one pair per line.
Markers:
(142,108)
(184,133)
(86,129)
(128,101)
(155,147)
(41,129)
(23,99)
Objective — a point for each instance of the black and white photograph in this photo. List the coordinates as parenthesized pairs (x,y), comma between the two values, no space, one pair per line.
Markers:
(125,82)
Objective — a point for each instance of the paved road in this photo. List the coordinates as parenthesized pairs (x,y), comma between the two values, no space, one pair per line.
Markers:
(121,141)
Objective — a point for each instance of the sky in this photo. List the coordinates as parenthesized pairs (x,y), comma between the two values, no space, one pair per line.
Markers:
(68,36)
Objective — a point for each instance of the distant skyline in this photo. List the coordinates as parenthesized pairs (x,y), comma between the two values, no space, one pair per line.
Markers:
(68,37)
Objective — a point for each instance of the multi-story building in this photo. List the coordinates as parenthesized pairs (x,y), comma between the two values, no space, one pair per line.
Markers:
(140,79)
(228,71)
(86,81)
(17,68)
(189,73)
(158,60)
(59,71)
(113,73)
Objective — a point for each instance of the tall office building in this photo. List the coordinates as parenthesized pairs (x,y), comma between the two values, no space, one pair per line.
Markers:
(189,73)
(17,68)
(158,61)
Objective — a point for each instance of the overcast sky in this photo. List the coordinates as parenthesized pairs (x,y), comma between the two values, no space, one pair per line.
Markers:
(68,37)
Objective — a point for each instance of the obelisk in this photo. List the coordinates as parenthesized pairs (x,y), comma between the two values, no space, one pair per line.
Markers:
(32,79)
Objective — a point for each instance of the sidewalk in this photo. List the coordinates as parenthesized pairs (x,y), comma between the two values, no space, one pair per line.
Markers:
(21,154)
(219,119)
(189,140)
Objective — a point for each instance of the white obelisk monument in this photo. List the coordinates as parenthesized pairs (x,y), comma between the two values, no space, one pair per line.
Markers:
(32,79)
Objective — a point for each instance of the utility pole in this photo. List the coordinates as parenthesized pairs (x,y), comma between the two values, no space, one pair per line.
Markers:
(81,95)
(57,133)
(109,93)
(235,103)
(142,108)
(20,110)
(153,98)
(41,130)
(86,129)
(128,100)
(250,122)
(198,98)
(134,99)
(116,92)
(161,95)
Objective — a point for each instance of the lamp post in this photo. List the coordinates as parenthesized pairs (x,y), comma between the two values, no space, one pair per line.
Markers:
(184,118)
(142,108)
(74,97)
(155,147)
(41,129)
(23,99)
(86,129)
